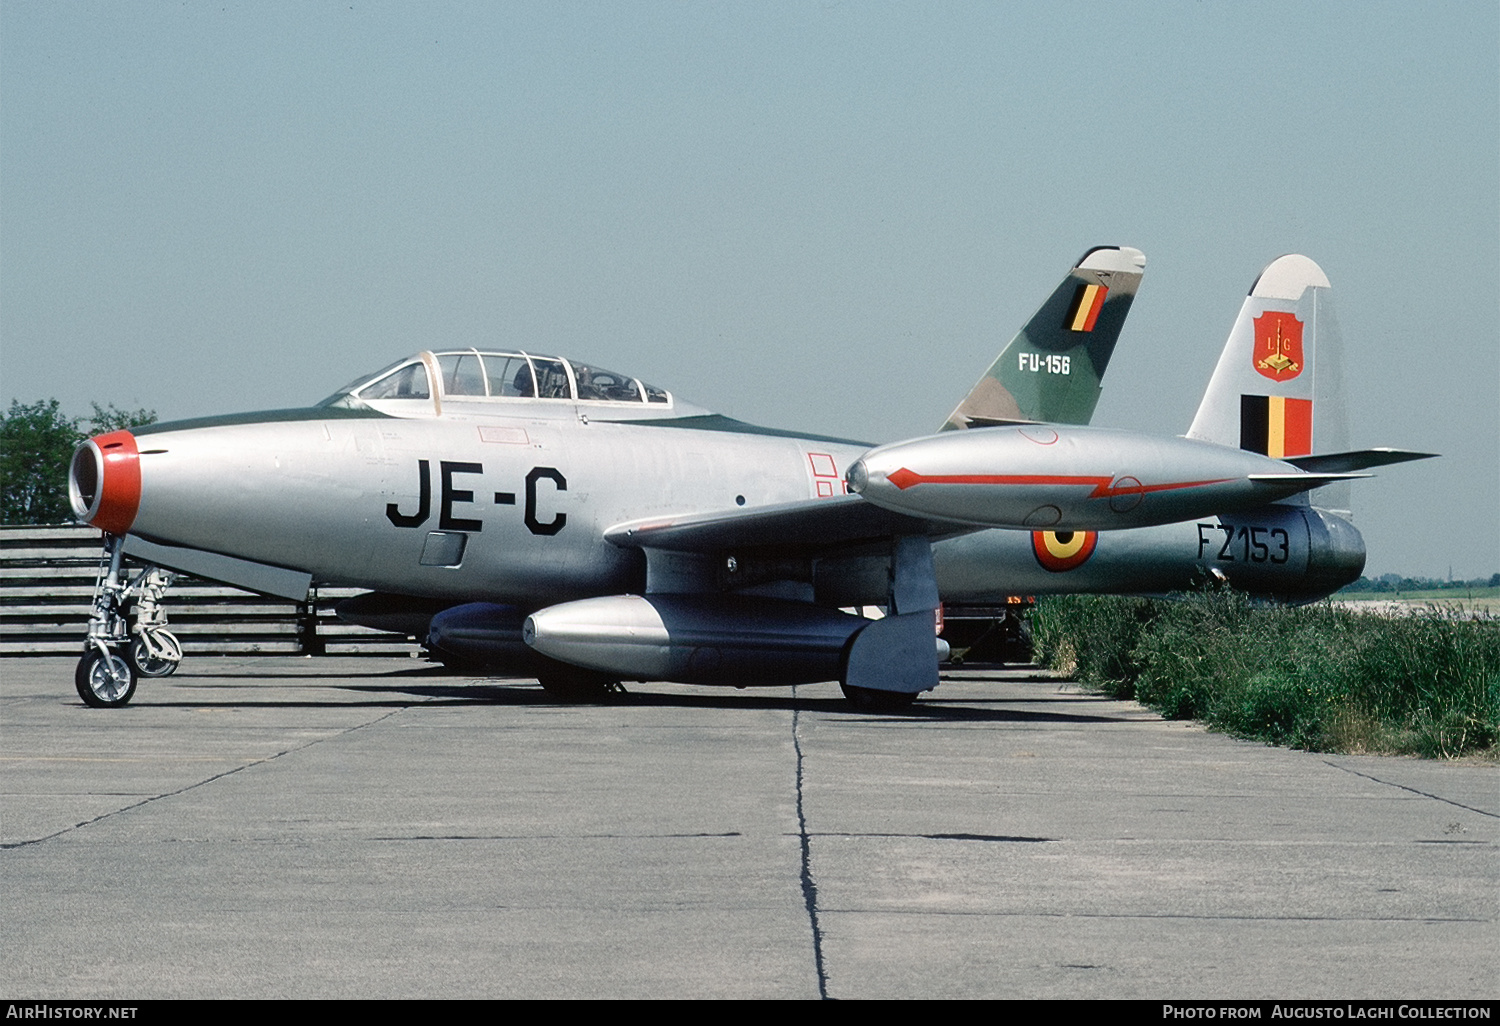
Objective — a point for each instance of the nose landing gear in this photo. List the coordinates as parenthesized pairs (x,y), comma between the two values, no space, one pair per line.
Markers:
(117,651)
(104,678)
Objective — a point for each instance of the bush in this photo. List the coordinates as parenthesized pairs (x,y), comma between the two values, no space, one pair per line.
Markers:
(1314,677)
(1092,638)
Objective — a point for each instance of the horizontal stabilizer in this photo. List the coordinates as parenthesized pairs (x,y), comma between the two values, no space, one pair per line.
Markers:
(984,422)
(1362,459)
(1307,481)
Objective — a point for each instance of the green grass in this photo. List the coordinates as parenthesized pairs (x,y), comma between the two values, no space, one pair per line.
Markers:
(1323,678)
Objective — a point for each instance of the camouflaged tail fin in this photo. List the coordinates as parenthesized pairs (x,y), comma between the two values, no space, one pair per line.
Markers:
(1052,369)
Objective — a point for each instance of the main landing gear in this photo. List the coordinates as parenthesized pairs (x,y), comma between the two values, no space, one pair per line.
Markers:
(574,684)
(128,637)
(875,700)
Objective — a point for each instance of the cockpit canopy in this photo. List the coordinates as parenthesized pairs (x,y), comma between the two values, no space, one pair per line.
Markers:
(472,374)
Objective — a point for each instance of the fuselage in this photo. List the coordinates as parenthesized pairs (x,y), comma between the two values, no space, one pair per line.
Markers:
(501,485)
(513,509)
(509,506)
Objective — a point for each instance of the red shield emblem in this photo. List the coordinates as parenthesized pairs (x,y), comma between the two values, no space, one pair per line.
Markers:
(1278,345)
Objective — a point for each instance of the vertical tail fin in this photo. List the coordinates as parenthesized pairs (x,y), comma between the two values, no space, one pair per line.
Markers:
(1278,388)
(1051,370)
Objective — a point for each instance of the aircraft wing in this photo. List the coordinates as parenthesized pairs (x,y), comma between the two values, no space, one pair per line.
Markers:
(809,524)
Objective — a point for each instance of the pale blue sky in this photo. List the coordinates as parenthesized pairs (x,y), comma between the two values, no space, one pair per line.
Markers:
(820,216)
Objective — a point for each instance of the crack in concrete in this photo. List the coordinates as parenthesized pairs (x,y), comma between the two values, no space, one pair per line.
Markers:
(1413,790)
(197,784)
(809,886)
(991,838)
(1226,917)
(563,837)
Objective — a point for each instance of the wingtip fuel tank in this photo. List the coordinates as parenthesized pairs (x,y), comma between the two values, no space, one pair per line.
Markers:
(1070,478)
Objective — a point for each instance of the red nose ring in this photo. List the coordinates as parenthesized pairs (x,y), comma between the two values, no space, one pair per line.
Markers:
(118,489)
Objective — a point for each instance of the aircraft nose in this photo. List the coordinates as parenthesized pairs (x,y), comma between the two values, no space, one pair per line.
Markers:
(104,482)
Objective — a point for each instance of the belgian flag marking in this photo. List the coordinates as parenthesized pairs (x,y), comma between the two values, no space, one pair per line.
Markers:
(1058,551)
(1086,306)
(1276,426)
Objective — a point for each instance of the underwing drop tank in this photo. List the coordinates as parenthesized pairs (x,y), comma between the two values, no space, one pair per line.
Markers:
(737,640)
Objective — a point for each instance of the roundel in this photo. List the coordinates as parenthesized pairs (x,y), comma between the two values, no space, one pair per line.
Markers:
(1063,550)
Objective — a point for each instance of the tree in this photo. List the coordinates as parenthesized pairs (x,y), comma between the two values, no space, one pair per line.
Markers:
(109,418)
(36,445)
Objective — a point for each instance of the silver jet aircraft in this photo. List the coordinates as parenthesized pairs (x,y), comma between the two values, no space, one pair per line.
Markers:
(546,517)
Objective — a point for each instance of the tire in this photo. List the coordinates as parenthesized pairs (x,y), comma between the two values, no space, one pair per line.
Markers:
(104,684)
(875,700)
(148,665)
(573,684)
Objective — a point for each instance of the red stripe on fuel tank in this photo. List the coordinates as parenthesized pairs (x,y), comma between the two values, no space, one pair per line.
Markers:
(120,484)
(1104,487)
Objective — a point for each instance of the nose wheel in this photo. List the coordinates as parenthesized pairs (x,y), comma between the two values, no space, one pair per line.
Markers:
(155,653)
(128,637)
(105,679)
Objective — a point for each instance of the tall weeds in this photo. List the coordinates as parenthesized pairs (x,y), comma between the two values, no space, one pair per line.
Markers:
(1316,677)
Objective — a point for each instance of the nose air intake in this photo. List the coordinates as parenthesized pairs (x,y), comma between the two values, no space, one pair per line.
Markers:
(104,482)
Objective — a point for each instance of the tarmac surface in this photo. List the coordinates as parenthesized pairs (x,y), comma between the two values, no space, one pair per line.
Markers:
(357,827)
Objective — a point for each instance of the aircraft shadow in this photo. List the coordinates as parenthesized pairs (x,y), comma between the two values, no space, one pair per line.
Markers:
(240,673)
(521,692)
(951,710)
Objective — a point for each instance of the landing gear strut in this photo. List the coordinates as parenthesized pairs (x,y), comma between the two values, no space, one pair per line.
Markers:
(117,652)
(155,652)
(574,684)
(875,700)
